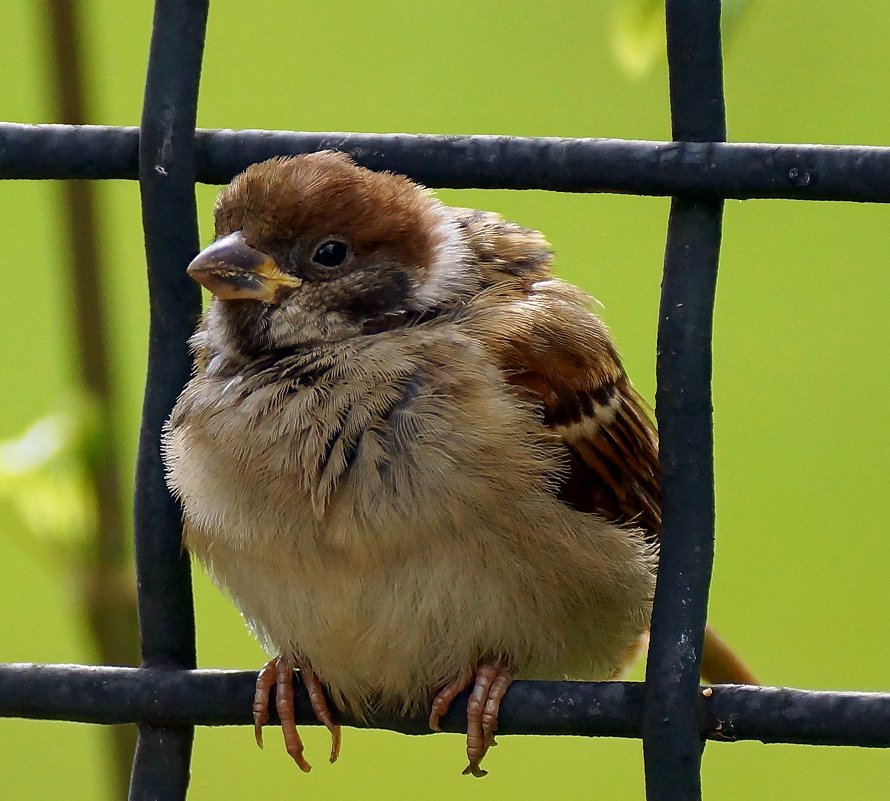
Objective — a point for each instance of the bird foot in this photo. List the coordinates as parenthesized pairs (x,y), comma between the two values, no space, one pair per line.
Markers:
(491,683)
(278,673)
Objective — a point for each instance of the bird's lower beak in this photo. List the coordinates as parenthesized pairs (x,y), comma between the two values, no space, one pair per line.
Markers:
(232,270)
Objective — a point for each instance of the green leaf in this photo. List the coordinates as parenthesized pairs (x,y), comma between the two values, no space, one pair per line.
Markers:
(44,478)
(637,36)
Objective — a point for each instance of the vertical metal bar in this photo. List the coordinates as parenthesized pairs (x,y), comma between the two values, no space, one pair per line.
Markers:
(169,218)
(672,741)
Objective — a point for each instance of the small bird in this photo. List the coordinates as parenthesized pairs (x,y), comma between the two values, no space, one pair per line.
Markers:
(409,453)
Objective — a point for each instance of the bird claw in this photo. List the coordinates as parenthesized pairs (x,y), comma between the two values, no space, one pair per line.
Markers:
(278,673)
(265,681)
(442,702)
(491,683)
(320,708)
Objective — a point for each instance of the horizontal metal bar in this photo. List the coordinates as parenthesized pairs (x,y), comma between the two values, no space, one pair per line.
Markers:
(706,169)
(807,717)
(611,709)
(222,698)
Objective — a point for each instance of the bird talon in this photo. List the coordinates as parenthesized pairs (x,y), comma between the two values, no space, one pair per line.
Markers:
(335,743)
(279,673)
(265,681)
(320,707)
(442,702)
(483,706)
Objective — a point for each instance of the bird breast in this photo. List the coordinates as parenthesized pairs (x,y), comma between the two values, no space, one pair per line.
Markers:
(384,508)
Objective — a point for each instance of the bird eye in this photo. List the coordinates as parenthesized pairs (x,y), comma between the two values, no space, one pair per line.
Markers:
(331,253)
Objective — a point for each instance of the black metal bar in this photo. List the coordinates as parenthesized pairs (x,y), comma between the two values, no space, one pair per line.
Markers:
(779,715)
(107,695)
(216,697)
(672,725)
(710,169)
(169,218)
(161,764)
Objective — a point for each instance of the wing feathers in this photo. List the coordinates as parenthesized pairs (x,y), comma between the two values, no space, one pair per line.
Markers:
(558,354)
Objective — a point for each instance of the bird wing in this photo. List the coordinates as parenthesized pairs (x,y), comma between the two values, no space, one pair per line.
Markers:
(557,354)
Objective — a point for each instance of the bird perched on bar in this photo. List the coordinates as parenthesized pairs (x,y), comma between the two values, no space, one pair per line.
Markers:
(410,453)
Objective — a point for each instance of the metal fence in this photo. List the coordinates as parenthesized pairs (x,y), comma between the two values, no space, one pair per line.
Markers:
(166,696)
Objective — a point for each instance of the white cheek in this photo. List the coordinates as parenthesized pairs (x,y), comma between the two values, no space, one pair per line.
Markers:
(449,275)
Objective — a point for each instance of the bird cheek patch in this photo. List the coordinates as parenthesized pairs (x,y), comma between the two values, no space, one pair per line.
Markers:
(366,295)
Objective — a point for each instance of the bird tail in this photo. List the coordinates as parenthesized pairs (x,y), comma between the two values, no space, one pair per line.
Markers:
(720,665)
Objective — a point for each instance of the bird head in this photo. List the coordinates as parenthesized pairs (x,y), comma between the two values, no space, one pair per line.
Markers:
(314,248)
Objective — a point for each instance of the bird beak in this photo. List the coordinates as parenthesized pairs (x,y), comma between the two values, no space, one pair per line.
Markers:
(232,270)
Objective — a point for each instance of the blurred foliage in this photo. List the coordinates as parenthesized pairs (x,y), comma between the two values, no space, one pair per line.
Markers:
(43,476)
(637,35)
(800,375)
(637,32)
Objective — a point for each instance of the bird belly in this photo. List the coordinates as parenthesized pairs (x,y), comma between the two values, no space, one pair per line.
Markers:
(388,633)
(399,579)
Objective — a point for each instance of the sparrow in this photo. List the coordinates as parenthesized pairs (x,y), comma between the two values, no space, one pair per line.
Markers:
(410,454)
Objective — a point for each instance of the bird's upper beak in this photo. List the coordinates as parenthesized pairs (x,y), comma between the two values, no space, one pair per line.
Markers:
(233,270)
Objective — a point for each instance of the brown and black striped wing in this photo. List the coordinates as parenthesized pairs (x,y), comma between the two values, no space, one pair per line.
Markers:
(613,456)
(559,355)
(556,352)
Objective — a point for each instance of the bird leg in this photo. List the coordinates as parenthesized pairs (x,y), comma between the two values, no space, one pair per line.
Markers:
(278,673)
(265,681)
(491,683)
(320,707)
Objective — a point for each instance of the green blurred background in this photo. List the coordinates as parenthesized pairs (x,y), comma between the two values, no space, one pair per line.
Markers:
(800,371)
